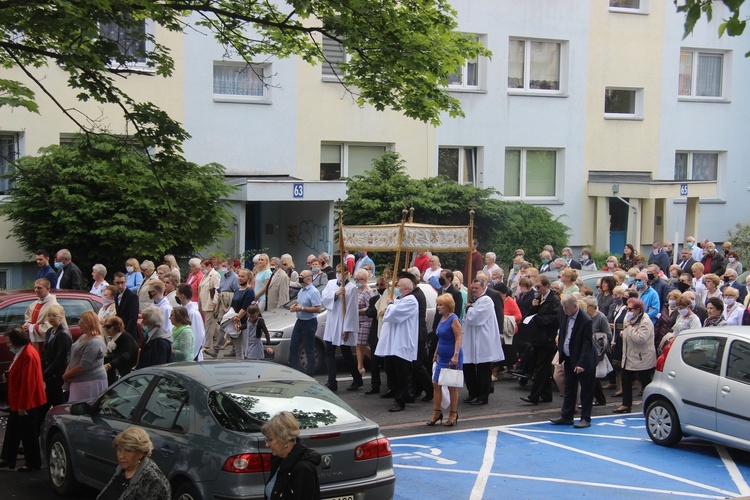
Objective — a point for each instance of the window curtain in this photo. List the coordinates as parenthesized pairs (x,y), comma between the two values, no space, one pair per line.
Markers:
(705,166)
(545,66)
(686,73)
(448,163)
(540,173)
(512,173)
(709,75)
(231,79)
(516,50)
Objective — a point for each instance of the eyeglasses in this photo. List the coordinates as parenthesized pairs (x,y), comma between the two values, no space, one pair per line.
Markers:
(631,309)
(109,326)
(119,282)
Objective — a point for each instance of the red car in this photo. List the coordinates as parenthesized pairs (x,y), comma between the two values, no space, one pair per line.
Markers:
(13,305)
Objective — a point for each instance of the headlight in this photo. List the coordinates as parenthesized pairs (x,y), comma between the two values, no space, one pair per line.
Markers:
(277,334)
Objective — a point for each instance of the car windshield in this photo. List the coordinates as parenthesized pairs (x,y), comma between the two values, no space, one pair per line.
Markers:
(246,407)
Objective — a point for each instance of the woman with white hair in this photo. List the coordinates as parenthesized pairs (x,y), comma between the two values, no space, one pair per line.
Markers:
(136,476)
(149,275)
(157,342)
(287,264)
(194,278)
(170,261)
(98,272)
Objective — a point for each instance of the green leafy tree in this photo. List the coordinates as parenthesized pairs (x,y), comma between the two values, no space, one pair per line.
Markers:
(400,51)
(734,25)
(740,239)
(100,198)
(383,192)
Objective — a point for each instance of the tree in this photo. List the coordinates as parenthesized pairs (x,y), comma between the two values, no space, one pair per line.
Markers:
(99,198)
(740,239)
(400,51)
(695,9)
(380,195)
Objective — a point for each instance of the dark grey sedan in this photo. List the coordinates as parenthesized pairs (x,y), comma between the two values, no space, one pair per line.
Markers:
(204,420)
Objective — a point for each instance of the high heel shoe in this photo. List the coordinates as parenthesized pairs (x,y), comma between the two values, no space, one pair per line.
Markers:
(448,422)
(431,423)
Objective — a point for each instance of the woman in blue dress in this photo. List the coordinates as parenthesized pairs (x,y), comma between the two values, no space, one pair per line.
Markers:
(447,354)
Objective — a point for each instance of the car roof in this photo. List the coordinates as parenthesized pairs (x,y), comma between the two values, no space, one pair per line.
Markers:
(228,372)
(29,293)
(739,331)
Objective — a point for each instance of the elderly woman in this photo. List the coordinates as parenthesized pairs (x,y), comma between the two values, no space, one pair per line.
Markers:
(26,401)
(686,318)
(294,467)
(733,310)
(85,376)
(287,264)
(182,336)
(171,262)
(638,351)
(568,276)
(122,350)
(587,260)
(319,277)
(108,308)
(55,355)
(149,275)
(712,283)
(611,264)
(514,275)
(98,272)
(133,275)
(137,477)
(157,343)
(599,325)
(194,278)
(545,258)
(668,316)
(447,354)
(364,293)
(433,270)
(715,308)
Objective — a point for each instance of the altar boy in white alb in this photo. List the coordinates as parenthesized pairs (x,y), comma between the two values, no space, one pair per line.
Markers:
(399,338)
(482,344)
(341,328)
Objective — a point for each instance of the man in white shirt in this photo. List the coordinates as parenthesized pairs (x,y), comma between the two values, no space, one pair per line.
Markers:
(156,291)
(185,296)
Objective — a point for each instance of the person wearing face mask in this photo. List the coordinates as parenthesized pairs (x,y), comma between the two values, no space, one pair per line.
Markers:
(545,257)
(185,298)
(695,248)
(730,280)
(658,255)
(149,276)
(697,307)
(108,303)
(661,286)
(122,351)
(686,318)
(514,276)
(733,262)
(638,352)
(713,261)
(319,277)
(341,328)
(277,286)
(55,355)
(362,259)
(307,308)
(668,317)
(364,293)
(587,262)
(133,275)
(68,274)
(733,309)
(712,283)
(126,305)
(567,254)
(649,297)
(207,291)
(616,317)
(157,343)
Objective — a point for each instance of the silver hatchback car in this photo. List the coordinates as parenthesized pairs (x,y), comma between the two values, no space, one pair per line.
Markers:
(701,388)
(204,420)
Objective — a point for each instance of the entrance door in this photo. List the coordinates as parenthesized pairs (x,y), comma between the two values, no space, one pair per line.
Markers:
(252,228)
(618,225)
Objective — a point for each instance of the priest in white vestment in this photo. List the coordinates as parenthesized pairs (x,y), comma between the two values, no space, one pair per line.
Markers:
(341,328)
(399,338)
(482,344)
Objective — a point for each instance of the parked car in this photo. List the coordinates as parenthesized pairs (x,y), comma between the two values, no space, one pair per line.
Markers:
(589,278)
(13,305)
(280,323)
(701,388)
(204,420)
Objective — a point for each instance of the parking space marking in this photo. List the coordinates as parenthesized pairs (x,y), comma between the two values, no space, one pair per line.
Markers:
(578,434)
(618,462)
(734,471)
(488,461)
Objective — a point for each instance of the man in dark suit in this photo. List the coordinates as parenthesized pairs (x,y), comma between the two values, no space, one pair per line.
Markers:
(126,305)
(567,254)
(713,261)
(446,286)
(121,360)
(686,262)
(575,348)
(542,332)
(698,308)
(68,274)
(730,279)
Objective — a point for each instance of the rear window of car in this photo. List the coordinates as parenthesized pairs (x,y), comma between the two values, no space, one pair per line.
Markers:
(12,315)
(704,353)
(246,407)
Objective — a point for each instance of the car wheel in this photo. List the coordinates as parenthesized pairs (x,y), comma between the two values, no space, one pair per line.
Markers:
(663,424)
(60,466)
(523,381)
(319,358)
(186,491)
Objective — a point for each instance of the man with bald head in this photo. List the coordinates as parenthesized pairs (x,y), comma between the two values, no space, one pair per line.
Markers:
(698,309)
(68,274)
(648,295)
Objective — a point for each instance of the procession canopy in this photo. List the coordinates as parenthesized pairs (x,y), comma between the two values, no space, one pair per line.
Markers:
(390,238)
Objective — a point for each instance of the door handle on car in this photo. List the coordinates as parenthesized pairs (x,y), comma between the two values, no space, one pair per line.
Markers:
(726,389)
(671,374)
(166,450)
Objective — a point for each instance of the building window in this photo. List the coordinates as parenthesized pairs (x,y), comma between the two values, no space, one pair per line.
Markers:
(334,55)
(470,75)
(134,41)
(4,274)
(622,103)
(347,160)
(9,153)
(534,66)
(459,165)
(530,173)
(241,82)
(629,6)
(696,166)
(701,74)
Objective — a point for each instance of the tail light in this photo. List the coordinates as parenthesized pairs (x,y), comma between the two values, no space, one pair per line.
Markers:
(377,448)
(248,463)
(663,358)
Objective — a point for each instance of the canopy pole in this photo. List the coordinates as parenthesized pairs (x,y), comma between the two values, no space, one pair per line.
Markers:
(344,268)
(468,279)
(398,251)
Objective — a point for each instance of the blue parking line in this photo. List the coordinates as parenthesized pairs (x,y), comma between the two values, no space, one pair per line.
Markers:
(613,457)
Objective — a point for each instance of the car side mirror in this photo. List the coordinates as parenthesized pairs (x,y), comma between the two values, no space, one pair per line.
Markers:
(82,408)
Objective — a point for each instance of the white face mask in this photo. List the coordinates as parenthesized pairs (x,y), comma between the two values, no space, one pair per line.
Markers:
(129,269)
(629,316)
(683,312)
(672,303)
(729,301)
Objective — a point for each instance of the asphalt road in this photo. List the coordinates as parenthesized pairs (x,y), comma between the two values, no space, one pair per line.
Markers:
(504,408)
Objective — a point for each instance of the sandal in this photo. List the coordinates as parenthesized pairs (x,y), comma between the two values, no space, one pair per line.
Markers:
(26,468)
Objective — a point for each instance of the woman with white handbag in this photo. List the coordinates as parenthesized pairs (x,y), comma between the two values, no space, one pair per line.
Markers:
(449,360)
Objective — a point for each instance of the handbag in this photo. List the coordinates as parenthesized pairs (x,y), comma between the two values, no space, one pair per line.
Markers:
(451,378)
(603,368)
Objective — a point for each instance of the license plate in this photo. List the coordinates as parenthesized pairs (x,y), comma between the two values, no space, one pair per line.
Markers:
(348,497)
